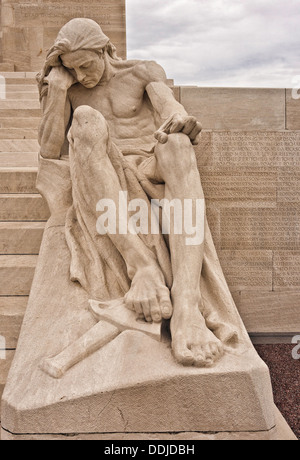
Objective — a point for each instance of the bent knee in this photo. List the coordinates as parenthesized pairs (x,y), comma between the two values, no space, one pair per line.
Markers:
(88,124)
(176,155)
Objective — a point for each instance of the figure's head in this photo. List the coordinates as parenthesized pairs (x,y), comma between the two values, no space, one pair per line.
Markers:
(87,67)
(82,47)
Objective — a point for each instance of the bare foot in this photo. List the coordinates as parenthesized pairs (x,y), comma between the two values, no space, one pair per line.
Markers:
(148,296)
(193,343)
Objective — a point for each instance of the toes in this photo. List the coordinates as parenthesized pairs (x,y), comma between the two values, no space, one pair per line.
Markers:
(199,357)
(155,310)
(181,352)
(165,303)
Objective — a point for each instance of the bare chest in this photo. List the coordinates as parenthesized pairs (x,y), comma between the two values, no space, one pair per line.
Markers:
(118,99)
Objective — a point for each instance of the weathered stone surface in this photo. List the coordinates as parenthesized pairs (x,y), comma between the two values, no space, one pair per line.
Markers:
(241,149)
(18,180)
(267,229)
(21,237)
(236,108)
(29,28)
(12,310)
(287,270)
(18,207)
(16,273)
(19,160)
(269,312)
(247,270)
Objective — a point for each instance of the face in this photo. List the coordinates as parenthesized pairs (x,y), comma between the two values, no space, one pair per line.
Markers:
(86,66)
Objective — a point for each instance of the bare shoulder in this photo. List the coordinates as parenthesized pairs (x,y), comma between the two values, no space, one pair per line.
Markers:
(149,72)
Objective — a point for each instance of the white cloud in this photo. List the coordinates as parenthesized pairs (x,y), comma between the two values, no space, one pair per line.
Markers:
(218,42)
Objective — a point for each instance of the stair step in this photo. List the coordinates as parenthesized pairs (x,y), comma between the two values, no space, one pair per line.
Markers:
(18,133)
(23,207)
(13,88)
(19,81)
(18,145)
(19,159)
(19,122)
(19,75)
(21,237)
(18,105)
(18,180)
(12,310)
(22,95)
(16,274)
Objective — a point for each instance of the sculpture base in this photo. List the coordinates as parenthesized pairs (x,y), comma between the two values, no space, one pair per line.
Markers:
(281,432)
(130,389)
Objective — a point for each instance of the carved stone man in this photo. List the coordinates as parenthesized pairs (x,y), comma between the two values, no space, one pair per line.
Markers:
(126,132)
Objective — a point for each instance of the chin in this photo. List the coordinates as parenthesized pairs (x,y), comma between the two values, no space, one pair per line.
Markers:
(89,85)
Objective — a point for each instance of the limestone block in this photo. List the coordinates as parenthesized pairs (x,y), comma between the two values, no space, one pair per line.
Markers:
(247,270)
(18,207)
(19,122)
(16,274)
(12,310)
(267,229)
(288,185)
(269,312)
(4,369)
(236,108)
(18,180)
(231,185)
(15,133)
(19,145)
(21,237)
(240,149)
(286,269)
(292,111)
(19,160)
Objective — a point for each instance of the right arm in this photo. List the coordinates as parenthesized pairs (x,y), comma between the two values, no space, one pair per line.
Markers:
(56,113)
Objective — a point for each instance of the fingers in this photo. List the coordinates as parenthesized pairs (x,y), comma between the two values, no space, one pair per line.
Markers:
(179,124)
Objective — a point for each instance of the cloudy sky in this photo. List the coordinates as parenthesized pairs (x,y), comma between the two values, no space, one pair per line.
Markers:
(253,43)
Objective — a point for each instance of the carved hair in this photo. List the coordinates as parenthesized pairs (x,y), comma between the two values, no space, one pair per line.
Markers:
(77,34)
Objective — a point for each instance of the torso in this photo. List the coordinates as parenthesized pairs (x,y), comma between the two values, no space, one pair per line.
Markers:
(124,104)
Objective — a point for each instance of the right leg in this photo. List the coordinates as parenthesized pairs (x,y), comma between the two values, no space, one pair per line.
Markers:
(89,139)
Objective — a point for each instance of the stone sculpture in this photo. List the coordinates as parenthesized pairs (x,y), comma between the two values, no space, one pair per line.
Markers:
(127,133)
(128,274)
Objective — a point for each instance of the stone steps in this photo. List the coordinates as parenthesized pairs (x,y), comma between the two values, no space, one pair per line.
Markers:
(16,274)
(18,133)
(17,179)
(21,237)
(23,207)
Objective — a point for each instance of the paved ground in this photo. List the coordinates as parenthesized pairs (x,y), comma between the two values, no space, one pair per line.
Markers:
(285,374)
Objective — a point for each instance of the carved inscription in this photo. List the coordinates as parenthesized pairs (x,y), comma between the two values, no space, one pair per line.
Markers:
(280,149)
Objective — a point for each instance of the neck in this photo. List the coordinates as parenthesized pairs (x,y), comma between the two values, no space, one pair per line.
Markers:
(109,71)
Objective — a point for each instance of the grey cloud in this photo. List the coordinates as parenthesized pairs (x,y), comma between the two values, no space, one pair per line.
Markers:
(249,43)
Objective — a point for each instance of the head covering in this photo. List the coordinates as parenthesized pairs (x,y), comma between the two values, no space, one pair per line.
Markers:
(77,34)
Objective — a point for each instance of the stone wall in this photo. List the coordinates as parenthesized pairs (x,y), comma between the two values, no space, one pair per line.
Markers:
(29,27)
(249,159)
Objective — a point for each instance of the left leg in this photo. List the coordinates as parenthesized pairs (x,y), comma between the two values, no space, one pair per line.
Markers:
(193,343)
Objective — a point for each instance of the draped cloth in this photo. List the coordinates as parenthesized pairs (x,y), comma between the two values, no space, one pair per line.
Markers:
(94,260)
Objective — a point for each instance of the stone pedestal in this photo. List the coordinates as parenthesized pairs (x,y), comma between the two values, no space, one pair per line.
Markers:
(130,389)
